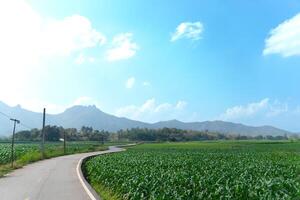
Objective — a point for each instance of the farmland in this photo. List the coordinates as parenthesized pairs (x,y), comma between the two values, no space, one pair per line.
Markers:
(29,152)
(199,170)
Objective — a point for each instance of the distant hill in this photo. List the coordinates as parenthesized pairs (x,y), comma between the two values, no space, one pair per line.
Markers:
(32,119)
(78,116)
(223,127)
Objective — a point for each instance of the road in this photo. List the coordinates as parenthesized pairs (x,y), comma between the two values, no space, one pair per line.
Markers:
(52,179)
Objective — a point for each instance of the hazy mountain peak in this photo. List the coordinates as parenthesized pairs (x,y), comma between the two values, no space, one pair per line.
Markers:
(18,106)
(172,121)
(84,108)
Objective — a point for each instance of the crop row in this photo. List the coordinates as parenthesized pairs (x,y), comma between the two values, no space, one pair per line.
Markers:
(179,173)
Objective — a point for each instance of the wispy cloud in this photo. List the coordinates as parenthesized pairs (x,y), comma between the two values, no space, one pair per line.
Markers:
(122,47)
(146,84)
(188,30)
(276,108)
(264,108)
(130,83)
(181,105)
(151,111)
(245,110)
(284,39)
(83,59)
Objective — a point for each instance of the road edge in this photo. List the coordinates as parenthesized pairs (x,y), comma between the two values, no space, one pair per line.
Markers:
(85,184)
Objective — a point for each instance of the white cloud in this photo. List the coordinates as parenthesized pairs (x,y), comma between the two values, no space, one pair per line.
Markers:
(263,108)
(24,31)
(162,107)
(150,111)
(297,110)
(71,34)
(28,41)
(245,111)
(277,108)
(123,47)
(82,59)
(281,114)
(146,83)
(130,83)
(189,30)
(285,38)
(91,59)
(181,105)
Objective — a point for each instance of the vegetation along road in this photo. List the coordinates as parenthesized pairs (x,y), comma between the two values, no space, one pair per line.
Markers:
(55,178)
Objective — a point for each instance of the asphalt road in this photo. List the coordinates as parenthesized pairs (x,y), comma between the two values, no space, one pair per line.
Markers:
(52,179)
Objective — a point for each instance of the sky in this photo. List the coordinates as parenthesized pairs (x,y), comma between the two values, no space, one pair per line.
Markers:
(155,60)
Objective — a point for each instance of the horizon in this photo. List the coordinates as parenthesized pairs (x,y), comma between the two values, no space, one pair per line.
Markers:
(168,120)
(194,61)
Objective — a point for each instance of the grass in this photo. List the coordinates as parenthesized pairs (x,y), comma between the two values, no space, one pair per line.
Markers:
(106,193)
(26,153)
(199,170)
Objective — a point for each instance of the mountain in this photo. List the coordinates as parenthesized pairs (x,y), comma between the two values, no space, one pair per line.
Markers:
(29,118)
(223,127)
(78,116)
(74,117)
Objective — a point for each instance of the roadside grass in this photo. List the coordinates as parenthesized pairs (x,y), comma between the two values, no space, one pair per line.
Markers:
(106,193)
(4,169)
(52,150)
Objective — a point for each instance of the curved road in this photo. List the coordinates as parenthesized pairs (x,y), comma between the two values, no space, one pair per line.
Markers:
(52,179)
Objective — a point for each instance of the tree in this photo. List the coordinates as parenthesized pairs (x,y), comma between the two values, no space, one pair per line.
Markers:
(52,133)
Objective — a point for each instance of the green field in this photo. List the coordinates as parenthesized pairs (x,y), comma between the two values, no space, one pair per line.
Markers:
(30,152)
(199,170)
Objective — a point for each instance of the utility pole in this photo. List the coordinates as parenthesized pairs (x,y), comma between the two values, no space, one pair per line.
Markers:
(102,138)
(13,141)
(64,142)
(43,134)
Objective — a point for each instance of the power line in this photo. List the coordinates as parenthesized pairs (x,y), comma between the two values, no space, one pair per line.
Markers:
(10,117)
(24,125)
(5,115)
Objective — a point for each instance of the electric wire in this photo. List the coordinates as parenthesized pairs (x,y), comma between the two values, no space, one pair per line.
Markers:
(21,123)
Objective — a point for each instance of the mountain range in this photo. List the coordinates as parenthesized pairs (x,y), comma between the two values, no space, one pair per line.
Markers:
(78,116)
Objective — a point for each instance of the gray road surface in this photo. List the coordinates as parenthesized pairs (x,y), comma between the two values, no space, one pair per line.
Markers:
(52,179)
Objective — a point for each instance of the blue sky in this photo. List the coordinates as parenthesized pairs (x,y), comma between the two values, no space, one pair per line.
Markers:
(157,60)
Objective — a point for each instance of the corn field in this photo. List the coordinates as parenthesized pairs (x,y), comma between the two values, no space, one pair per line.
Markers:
(196,171)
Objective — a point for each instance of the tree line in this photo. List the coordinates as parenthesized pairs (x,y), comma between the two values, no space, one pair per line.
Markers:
(56,133)
(173,134)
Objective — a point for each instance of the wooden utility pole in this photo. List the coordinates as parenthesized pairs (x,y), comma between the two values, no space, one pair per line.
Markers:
(102,138)
(43,134)
(65,142)
(13,141)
